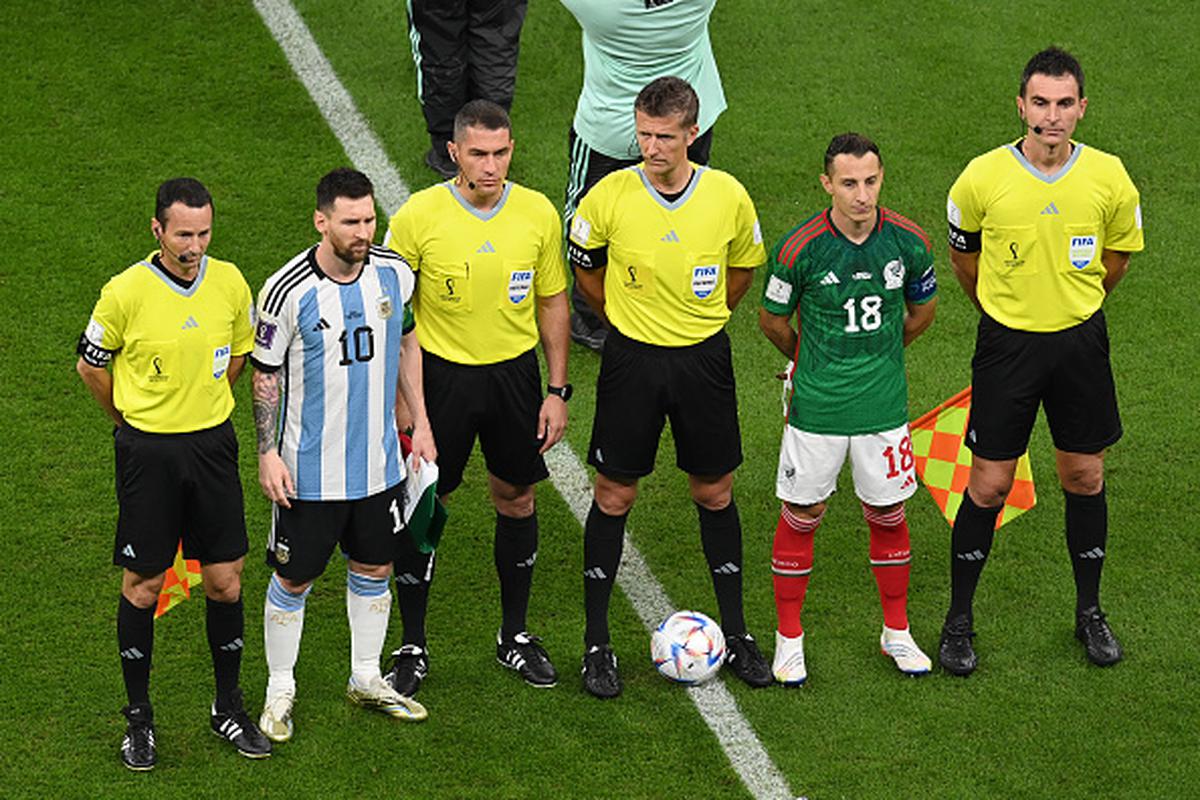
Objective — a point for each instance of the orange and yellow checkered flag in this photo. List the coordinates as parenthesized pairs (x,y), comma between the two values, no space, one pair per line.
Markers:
(181,577)
(944,462)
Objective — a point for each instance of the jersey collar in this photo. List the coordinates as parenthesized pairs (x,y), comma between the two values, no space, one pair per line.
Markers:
(147,262)
(837,232)
(470,209)
(697,171)
(1077,148)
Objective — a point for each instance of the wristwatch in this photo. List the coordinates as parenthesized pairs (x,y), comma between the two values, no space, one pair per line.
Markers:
(565,391)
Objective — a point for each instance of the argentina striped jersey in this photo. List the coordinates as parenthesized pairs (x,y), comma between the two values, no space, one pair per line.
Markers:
(338,348)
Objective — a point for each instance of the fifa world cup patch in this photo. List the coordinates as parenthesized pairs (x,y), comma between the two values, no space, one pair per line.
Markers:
(1083,250)
(581,230)
(778,291)
(520,281)
(264,333)
(94,332)
(704,279)
(220,361)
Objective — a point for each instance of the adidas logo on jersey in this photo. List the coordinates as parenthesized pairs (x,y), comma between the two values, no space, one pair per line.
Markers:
(830,279)
(486,247)
(1050,209)
(190,323)
(670,237)
(321,325)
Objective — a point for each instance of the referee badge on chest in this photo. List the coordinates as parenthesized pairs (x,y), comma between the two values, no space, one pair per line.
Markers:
(520,281)
(704,279)
(1083,250)
(383,304)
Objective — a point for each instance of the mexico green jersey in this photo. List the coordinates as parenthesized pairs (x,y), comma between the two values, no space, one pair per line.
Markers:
(851,300)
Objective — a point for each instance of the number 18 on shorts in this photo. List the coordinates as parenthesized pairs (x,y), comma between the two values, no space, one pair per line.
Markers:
(882,463)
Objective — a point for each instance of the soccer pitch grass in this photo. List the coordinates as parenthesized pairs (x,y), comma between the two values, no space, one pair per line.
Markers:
(105,100)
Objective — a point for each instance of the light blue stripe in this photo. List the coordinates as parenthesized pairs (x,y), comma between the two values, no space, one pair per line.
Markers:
(364,586)
(470,209)
(677,202)
(359,345)
(390,283)
(312,408)
(1037,173)
(282,599)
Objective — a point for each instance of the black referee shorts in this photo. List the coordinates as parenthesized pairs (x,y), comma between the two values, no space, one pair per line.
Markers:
(499,403)
(1067,372)
(177,485)
(642,385)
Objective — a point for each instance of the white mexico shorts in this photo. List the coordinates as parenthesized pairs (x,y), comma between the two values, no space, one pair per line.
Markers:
(809,463)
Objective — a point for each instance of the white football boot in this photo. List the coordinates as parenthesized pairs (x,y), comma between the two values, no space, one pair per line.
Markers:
(900,646)
(788,665)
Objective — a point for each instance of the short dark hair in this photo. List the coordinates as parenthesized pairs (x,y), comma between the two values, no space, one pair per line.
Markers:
(850,144)
(188,191)
(342,182)
(668,96)
(481,114)
(1055,62)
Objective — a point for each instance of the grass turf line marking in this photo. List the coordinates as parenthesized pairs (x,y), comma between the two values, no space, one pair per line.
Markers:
(715,703)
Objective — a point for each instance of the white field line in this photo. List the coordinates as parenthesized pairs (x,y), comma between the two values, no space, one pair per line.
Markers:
(714,702)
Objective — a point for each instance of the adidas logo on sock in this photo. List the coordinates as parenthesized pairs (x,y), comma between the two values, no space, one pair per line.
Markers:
(528,563)
(595,573)
(132,654)
(830,279)
(408,579)
(230,647)
(1095,552)
(728,568)
(974,555)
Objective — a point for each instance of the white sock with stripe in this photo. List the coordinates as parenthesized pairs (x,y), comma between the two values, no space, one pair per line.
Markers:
(283,623)
(368,607)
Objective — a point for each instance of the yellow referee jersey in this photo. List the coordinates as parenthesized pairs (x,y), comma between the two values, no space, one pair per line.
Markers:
(172,345)
(665,279)
(479,273)
(1042,236)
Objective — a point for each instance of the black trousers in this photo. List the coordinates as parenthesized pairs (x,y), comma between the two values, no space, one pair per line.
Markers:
(464,50)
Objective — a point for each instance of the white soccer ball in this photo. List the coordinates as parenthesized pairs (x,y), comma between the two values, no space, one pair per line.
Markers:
(688,647)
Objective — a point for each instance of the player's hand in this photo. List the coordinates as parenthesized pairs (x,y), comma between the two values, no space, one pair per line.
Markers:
(552,421)
(274,479)
(423,445)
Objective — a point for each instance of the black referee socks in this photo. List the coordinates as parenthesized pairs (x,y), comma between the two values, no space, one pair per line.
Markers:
(1087,537)
(970,544)
(721,537)
(226,626)
(135,640)
(603,541)
(515,551)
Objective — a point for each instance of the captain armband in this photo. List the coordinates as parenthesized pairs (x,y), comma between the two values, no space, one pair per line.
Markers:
(586,259)
(965,241)
(92,353)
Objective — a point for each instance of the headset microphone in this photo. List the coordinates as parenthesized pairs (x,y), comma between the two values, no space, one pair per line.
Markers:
(1037,129)
(471,184)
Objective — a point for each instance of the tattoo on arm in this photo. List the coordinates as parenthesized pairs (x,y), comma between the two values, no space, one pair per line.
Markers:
(266,409)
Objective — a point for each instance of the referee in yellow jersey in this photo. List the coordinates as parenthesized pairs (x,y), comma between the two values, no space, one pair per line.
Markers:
(491,283)
(665,250)
(165,343)
(1041,231)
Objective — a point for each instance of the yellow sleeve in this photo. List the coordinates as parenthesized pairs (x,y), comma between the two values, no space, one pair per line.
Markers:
(962,207)
(243,323)
(1123,228)
(588,228)
(550,275)
(402,237)
(746,249)
(106,328)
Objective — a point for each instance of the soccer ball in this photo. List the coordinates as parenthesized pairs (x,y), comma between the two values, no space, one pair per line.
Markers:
(688,647)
